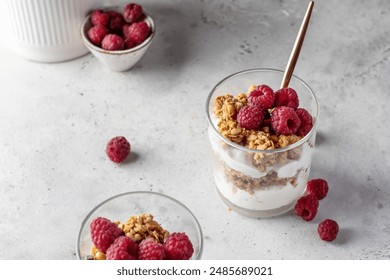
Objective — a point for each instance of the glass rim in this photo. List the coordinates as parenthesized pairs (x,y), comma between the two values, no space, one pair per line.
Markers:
(90,213)
(242,148)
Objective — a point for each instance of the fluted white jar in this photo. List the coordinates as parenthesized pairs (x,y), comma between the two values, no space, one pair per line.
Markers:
(44,30)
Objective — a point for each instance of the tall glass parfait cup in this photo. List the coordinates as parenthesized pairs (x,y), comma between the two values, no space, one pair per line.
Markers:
(264,181)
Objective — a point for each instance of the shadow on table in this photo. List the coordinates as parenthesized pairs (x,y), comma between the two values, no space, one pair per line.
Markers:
(171,48)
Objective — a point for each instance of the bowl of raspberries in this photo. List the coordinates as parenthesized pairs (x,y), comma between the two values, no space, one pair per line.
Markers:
(140,225)
(118,36)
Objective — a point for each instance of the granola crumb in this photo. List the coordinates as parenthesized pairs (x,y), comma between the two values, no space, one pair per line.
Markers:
(144,226)
(97,254)
(251,185)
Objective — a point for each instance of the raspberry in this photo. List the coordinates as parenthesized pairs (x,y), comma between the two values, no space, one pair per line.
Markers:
(138,32)
(328,230)
(151,250)
(262,96)
(178,247)
(96,34)
(116,21)
(132,12)
(306,122)
(286,97)
(123,248)
(103,233)
(307,207)
(113,42)
(284,120)
(125,31)
(318,187)
(99,18)
(250,117)
(129,44)
(118,148)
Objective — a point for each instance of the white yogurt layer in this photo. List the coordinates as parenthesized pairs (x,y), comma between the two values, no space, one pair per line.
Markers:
(241,161)
(263,199)
(234,158)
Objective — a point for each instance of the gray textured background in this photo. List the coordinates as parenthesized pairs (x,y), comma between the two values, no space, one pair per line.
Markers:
(55,120)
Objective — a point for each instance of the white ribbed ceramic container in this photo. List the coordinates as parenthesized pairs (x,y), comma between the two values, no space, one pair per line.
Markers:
(45,30)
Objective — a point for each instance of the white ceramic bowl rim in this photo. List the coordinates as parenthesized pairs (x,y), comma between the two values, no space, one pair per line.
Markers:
(83,224)
(242,148)
(136,48)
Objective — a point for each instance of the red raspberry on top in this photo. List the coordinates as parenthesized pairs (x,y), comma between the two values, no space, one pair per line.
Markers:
(328,230)
(307,207)
(113,42)
(132,12)
(138,32)
(96,34)
(118,148)
(262,96)
(284,120)
(129,44)
(250,117)
(318,187)
(116,21)
(123,248)
(286,97)
(306,122)
(149,249)
(125,31)
(178,247)
(103,233)
(99,17)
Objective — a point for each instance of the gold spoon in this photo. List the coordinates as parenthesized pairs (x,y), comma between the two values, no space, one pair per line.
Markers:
(297,47)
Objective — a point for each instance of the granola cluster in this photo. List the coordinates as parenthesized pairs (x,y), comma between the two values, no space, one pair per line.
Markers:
(226,109)
(250,185)
(143,226)
(97,254)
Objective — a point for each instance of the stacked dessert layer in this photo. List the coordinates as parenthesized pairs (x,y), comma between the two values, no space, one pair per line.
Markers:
(259,167)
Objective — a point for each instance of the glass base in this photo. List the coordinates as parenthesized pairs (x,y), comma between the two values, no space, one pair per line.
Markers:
(257,213)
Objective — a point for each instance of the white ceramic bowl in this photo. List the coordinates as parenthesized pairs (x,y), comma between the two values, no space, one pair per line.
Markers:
(171,214)
(44,30)
(118,61)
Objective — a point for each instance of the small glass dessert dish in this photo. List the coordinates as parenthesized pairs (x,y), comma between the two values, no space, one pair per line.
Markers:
(141,216)
(261,172)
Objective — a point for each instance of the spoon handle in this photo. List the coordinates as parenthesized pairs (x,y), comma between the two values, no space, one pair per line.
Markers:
(297,47)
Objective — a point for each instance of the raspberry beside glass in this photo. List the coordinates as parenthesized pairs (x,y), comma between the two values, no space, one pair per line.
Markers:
(263,171)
